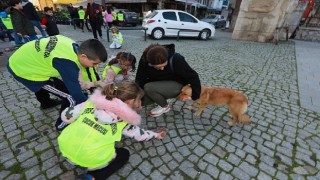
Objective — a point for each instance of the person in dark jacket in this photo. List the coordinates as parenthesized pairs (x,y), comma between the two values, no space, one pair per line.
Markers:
(49,21)
(33,16)
(94,12)
(162,73)
(21,24)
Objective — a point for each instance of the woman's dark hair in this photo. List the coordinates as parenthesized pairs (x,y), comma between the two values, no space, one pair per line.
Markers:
(94,49)
(124,56)
(157,55)
(109,10)
(13,2)
(124,91)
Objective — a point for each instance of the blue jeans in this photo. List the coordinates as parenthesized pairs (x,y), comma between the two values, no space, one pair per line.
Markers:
(30,38)
(38,25)
(17,38)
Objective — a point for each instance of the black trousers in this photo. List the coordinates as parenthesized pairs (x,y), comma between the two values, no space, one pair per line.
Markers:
(96,26)
(56,87)
(120,160)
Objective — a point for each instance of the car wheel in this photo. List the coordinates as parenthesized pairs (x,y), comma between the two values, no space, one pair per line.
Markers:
(204,34)
(157,33)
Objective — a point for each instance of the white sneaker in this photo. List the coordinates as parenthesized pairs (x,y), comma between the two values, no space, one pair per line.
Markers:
(158,111)
(170,101)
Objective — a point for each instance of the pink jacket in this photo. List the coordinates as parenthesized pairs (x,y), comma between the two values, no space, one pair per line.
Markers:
(107,17)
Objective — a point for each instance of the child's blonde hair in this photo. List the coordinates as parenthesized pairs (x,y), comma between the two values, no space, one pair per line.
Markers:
(125,90)
(115,29)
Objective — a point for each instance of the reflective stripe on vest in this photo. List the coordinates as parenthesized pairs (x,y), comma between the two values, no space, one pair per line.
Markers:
(85,74)
(81,14)
(33,60)
(114,68)
(7,22)
(88,143)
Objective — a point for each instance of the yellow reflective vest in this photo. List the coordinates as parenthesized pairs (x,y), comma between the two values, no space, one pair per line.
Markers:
(7,22)
(89,71)
(81,13)
(114,68)
(120,16)
(114,16)
(88,143)
(38,55)
(118,36)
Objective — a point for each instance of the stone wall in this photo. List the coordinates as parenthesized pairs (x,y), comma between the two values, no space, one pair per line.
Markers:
(308,34)
(258,19)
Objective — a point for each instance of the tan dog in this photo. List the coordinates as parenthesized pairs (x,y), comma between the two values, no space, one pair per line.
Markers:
(219,96)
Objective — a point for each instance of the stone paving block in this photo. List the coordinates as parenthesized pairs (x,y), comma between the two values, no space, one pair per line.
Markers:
(29,163)
(4,174)
(14,176)
(31,173)
(263,176)
(54,171)
(188,168)
(225,165)
(267,168)
(176,175)
(145,167)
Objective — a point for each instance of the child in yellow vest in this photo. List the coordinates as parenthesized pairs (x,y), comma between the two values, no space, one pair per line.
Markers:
(89,141)
(119,68)
(117,38)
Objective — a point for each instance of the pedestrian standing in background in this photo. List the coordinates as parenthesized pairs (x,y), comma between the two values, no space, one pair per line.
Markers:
(49,21)
(81,13)
(114,18)
(108,17)
(6,20)
(104,24)
(120,18)
(33,16)
(94,12)
(21,24)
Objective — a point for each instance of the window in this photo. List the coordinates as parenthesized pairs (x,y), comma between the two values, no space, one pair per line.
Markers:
(212,16)
(186,18)
(151,15)
(169,16)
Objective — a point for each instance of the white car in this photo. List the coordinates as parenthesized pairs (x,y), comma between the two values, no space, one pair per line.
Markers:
(170,22)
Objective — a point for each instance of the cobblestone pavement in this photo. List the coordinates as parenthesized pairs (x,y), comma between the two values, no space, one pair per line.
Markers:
(283,141)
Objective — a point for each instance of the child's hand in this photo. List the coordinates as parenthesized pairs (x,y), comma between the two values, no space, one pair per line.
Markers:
(161,133)
(86,85)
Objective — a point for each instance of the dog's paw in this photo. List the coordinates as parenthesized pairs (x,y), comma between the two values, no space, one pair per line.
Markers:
(230,123)
(197,113)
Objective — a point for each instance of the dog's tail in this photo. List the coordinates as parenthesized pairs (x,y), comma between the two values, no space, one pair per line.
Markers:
(244,119)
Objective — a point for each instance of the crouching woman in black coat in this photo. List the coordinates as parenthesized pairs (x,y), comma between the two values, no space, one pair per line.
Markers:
(162,73)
